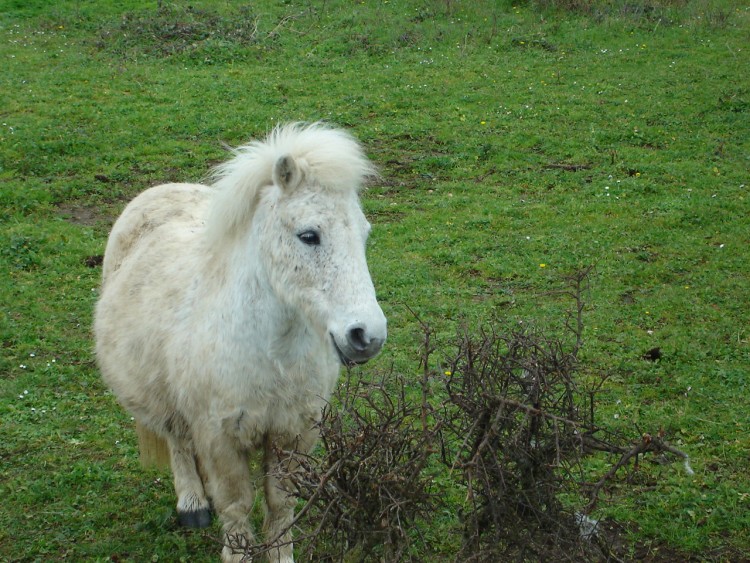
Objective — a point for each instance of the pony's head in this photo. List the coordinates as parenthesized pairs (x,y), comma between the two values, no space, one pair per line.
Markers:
(292,202)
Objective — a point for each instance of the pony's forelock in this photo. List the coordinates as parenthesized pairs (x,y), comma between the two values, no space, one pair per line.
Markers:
(331,157)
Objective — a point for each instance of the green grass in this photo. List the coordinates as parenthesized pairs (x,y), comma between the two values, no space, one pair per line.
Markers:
(509,137)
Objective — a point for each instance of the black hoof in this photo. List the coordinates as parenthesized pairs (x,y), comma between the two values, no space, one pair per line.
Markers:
(195,518)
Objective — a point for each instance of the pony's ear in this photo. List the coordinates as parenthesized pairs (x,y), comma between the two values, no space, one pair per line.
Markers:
(287,174)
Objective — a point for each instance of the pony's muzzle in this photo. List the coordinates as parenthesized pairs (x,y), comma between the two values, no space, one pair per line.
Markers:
(363,342)
(360,344)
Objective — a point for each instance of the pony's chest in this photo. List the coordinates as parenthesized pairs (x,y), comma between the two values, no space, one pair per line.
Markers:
(280,398)
(286,410)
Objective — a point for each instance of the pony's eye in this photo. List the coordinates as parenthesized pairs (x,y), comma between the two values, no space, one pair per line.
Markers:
(310,238)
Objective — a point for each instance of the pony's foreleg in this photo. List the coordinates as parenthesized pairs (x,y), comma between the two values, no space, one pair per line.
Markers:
(280,501)
(193,510)
(230,487)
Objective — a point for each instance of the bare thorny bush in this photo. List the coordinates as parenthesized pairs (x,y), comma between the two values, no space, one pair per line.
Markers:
(517,437)
(500,422)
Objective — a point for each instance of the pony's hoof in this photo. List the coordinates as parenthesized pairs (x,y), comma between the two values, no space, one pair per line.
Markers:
(200,518)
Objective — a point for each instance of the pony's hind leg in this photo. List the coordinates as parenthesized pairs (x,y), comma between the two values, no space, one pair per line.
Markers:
(193,510)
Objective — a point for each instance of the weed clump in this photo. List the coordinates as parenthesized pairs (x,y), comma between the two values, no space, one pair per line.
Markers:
(188,32)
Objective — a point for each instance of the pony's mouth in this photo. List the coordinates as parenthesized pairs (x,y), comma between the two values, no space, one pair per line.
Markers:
(345,361)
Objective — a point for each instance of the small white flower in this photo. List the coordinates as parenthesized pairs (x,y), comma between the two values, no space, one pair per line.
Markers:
(688,469)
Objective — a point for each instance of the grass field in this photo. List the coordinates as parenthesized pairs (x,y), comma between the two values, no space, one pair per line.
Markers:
(517,142)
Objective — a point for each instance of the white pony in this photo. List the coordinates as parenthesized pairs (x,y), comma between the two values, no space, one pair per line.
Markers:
(226,313)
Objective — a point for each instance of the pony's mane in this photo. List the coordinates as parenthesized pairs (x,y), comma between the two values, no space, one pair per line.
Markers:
(329,156)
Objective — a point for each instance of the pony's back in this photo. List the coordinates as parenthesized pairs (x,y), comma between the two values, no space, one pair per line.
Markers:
(176,206)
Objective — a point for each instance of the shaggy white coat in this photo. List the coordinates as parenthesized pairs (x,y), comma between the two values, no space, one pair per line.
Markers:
(226,312)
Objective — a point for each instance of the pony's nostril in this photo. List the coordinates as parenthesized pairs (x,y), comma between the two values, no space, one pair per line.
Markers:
(358,339)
